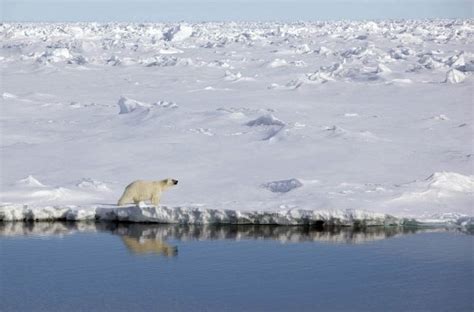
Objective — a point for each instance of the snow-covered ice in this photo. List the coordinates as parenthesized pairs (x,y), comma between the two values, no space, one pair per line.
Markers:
(290,123)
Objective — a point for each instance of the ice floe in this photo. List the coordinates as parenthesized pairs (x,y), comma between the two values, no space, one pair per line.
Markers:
(356,105)
(189,215)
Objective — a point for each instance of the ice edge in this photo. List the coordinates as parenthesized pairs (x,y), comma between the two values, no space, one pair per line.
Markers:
(193,215)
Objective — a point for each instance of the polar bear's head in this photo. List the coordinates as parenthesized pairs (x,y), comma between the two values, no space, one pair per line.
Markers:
(170,182)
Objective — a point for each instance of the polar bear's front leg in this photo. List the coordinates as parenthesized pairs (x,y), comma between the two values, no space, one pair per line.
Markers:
(155,199)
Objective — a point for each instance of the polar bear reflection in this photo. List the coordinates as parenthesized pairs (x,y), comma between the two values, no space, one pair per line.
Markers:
(149,246)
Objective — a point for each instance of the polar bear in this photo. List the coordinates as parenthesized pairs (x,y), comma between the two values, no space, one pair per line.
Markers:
(141,190)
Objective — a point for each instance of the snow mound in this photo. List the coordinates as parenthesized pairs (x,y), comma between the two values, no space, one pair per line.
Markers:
(230,76)
(266,120)
(171,50)
(278,63)
(323,51)
(290,85)
(6,95)
(236,77)
(129,105)
(162,61)
(381,68)
(303,49)
(193,215)
(178,33)
(55,55)
(165,104)
(319,77)
(445,188)
(451,182)
(338,132)
(78,60)
(349,73)
(456,61)
(30,181)
(276,134)
(455,76)
(282,186)
(91,184)
(440,117)
(430,62)
(52,194)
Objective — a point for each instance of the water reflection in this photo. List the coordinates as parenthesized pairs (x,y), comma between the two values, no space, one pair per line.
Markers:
(103,262)
(257,232)
(146,238)
(139,245)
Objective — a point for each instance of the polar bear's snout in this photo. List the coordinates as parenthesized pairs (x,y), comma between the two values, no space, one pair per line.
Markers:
(175,182)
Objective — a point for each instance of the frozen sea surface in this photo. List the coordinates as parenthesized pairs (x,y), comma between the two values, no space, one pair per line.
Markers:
(141,267)
(282,123)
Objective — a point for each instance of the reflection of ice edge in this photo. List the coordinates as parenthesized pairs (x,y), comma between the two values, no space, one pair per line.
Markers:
(162,232)
(189,215)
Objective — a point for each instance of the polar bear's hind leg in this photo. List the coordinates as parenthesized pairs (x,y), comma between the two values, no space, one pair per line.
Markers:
(123,200)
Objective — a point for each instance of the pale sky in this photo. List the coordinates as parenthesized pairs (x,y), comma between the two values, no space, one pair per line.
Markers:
(225,10)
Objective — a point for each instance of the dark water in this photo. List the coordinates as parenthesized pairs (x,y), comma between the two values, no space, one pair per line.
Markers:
(136,267)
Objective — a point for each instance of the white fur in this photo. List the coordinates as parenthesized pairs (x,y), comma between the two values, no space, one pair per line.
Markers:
(141,190)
